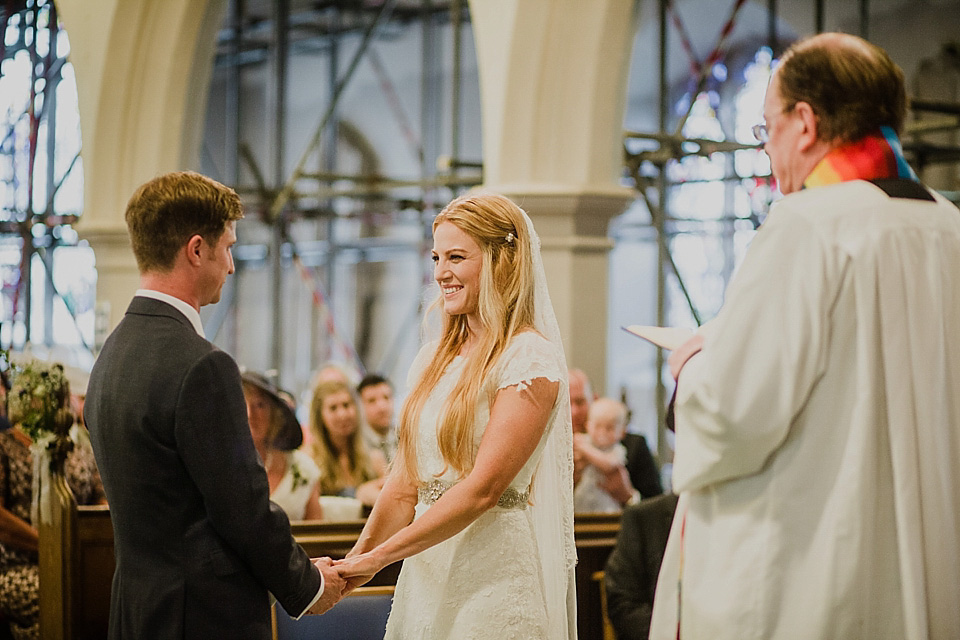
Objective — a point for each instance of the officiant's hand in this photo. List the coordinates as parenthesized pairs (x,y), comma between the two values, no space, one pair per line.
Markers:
(686,351)
(333,586)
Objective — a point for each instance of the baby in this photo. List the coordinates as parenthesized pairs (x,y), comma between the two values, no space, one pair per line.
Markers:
(600,446)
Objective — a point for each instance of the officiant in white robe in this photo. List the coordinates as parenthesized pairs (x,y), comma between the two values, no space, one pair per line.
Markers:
(818,427)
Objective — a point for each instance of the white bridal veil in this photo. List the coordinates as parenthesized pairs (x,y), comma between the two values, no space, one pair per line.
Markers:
(552,509)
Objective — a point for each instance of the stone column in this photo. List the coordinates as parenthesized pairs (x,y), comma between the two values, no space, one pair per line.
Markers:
(142,71)
(553,89)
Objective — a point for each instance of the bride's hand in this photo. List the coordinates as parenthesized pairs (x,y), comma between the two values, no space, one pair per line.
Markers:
(357,570)
(358,566)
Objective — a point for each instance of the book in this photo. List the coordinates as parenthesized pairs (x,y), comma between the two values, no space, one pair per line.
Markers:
(669,338)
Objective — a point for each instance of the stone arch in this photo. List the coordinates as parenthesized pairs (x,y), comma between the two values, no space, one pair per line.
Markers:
(142,73)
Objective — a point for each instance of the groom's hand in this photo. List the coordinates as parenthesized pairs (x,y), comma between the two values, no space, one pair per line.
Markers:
(333,586)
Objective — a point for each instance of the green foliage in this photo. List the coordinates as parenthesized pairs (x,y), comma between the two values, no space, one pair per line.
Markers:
(39,397)
(298,477)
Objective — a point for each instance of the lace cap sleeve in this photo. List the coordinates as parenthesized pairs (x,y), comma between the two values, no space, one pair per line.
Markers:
(527,357)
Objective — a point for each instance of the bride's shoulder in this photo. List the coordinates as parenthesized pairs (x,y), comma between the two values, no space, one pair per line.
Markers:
(421,360)
(428,348)
(529,338)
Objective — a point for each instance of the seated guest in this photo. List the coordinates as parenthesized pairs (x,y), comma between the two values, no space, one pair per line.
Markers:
(35,385)
(346,467)
(292,474)
(376,396)
(642,478)
(630,575)
(330,372)
(600,447)
(641,467)
(581,395)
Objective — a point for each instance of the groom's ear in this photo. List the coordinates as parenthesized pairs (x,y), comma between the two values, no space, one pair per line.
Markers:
(193,250)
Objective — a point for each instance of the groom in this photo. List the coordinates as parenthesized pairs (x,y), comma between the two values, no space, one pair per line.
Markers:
(198,544)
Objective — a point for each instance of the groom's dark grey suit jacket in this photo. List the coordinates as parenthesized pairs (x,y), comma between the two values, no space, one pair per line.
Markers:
(197,541)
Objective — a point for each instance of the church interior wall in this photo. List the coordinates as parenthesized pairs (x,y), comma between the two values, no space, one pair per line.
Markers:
(375,273)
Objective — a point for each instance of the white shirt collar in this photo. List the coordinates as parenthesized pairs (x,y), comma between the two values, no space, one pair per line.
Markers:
(192,314)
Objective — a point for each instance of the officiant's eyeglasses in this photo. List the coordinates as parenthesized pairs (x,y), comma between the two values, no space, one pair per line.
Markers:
(761,133)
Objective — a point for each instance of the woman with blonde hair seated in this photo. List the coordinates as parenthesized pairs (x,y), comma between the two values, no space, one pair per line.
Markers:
(347,469)
(292,474)
(479,501)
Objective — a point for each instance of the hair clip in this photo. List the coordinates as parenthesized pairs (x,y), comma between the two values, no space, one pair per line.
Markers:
(509,238)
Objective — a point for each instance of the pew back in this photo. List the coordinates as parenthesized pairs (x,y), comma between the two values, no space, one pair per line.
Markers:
(93,554)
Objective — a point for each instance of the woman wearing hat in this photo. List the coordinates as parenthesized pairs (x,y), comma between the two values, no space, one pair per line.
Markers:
(292,474)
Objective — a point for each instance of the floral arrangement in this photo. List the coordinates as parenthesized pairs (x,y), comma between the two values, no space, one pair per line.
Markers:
(38,400)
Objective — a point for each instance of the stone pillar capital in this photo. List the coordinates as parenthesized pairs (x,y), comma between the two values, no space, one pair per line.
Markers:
(553,77)
(143,70)
(568,218)
(572,226)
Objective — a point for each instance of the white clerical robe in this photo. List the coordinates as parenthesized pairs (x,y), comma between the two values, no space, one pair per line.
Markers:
(818,432)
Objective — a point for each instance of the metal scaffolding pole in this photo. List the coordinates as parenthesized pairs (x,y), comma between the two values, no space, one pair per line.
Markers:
(865,19)
(234,136)
(330,164)
(28,147)
(430,93)
(234,87)
(50,107)
(772,39)
(283,197)
(456,23)
(279,90)
(657,215)
(320,29)
(673,145)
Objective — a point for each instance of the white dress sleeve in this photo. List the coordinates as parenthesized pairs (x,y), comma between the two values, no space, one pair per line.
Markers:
(420,362)
(528,356)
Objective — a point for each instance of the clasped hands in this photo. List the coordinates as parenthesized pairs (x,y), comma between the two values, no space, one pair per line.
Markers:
(340,577)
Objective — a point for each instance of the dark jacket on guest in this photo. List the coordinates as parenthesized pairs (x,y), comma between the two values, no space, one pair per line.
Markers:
(630,575)
(644,475)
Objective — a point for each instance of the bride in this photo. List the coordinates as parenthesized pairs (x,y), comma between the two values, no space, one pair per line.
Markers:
(479,502)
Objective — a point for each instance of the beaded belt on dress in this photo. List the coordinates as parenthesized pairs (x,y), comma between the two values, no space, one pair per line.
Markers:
(511,498)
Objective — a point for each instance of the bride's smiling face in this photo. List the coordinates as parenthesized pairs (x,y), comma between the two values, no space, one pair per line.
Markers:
(457,260)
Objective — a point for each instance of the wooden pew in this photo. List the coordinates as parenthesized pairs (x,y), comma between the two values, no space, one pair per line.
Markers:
(595,535)
(90,555)
(94,560)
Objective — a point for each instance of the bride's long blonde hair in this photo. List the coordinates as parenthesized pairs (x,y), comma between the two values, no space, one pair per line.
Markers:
(505,308)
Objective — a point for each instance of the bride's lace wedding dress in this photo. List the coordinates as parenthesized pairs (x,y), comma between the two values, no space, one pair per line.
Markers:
(485,582)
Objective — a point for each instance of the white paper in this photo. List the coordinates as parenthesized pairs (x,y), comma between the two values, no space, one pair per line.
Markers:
(669,338)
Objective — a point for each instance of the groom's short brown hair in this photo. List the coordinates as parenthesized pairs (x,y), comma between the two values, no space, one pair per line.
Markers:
(164,213)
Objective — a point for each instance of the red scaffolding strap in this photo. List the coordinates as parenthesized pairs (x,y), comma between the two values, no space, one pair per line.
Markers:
(699,70)
(319,297)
